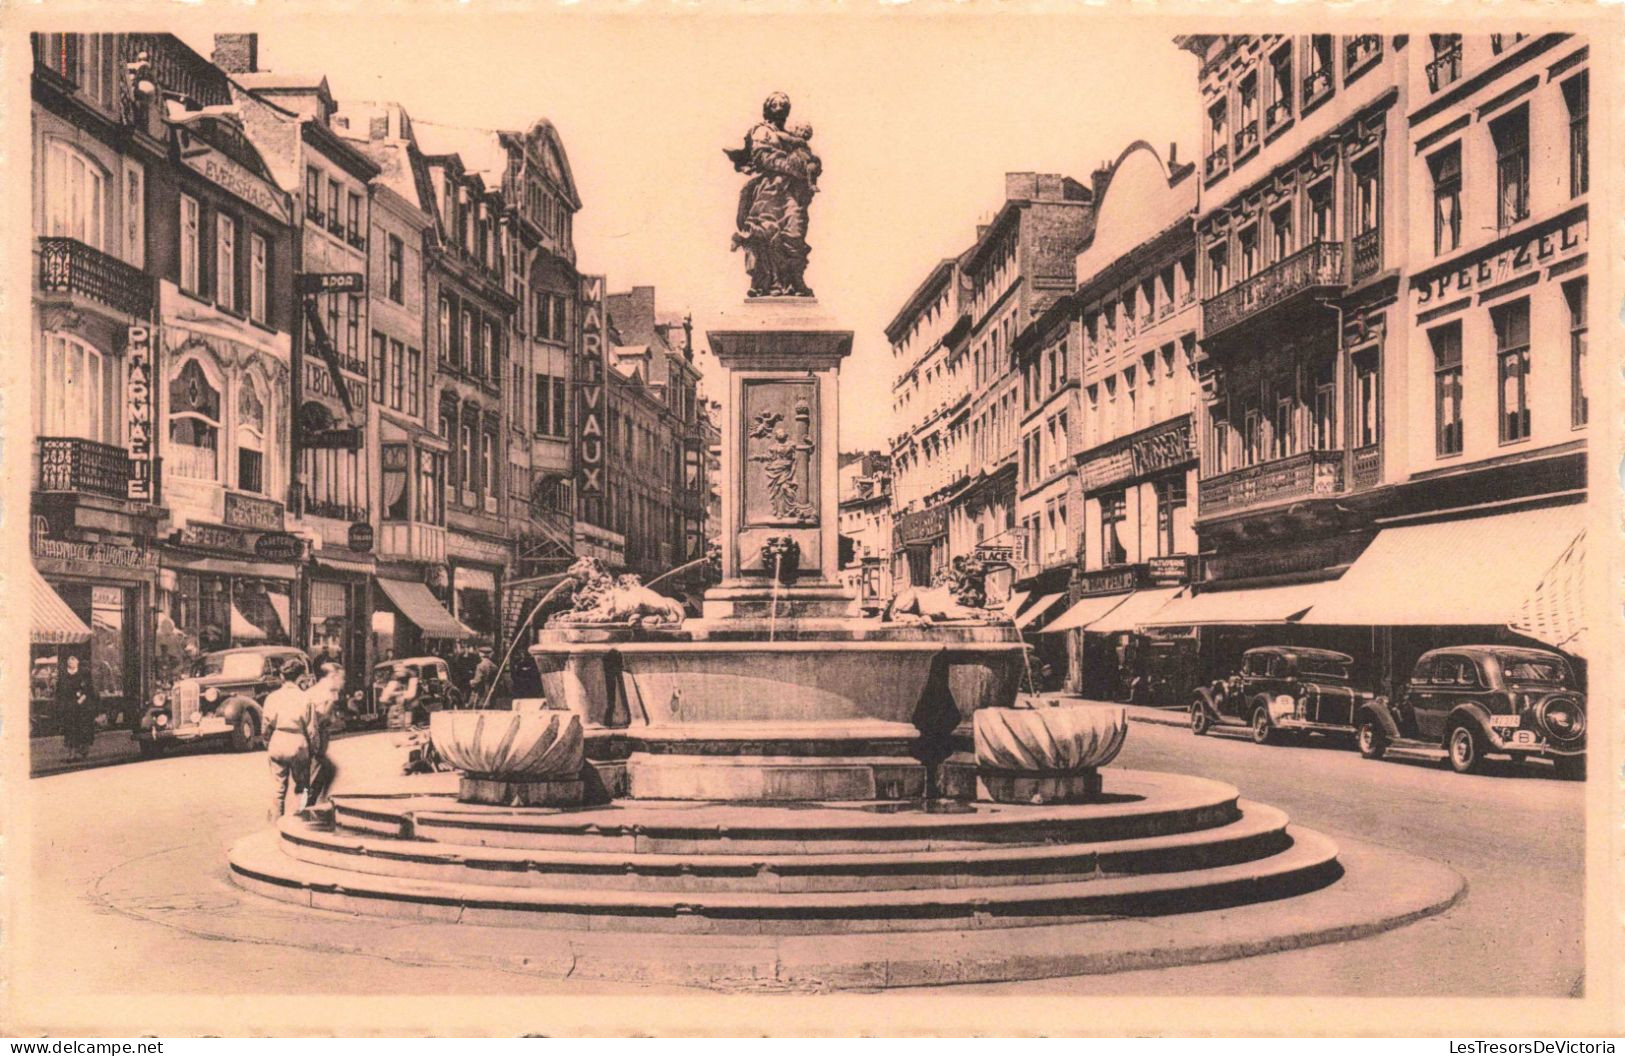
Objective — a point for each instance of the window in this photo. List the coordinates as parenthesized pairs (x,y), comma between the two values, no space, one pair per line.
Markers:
(1317,81)
(352,226)
(1170,504)
(1282,440)
(1367,399)
(482,354)
(1367,204)
(1322,214)
(1113,511)
(445,330)
(313,194)
(468,451)
(544,407)
(333,320)
(431,497)
(397,375)
(258,274)
(250,438)
(1579,404)
(135,214)
(1577,95)
(1247,262)
(466,345)
(1446,168)
(560,425)
(1511,135)
(1445,69)
(414,381)
(1252,447)
(1280,87)
(352,324)
(1446,341)
(397,292)
(191,248)
(1220,454)
(194,424)
(395,462)
(1218,266)
(79,392)
(488,454)
(1360,52)
(334,219)
(378,346)
(1281,232)
(225,261)
(1247,114)
(1511,322)
(1323,434)
(1218,134)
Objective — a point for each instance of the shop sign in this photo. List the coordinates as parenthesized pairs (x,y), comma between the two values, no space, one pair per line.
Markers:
(212,537)
(103,555)
(1111,580)
(234,178)
(1535,249)
(315,282)
(360,537)
(1174,571)
(322,375)
(138,412)
(921,525)
(278,546)
(590,393)
(1106,469)
(991,554)
(1164,447)
(253,512)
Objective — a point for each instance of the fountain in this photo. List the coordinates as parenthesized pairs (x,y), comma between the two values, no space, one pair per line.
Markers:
(783,765)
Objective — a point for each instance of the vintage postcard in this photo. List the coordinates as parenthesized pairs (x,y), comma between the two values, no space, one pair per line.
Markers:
(907,519)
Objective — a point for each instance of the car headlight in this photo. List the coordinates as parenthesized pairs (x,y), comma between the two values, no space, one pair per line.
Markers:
(160,700)
(195,718)
(211,694)
(161,719)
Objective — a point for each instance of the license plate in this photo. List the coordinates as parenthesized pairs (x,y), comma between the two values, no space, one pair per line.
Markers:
(1505,722)
(1523,737)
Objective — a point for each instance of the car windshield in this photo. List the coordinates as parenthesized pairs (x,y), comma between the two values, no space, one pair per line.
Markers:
(1323,667)
(1523,669)
(234,665)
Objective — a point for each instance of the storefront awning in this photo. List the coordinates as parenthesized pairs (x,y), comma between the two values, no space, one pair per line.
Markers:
(1013,604)
(52,622)
(1555,613)
(225,566)
(1256,606)
(1038,608)
(242,629)
(424,609)
(1476,571)
(1140,607)
(1084,612)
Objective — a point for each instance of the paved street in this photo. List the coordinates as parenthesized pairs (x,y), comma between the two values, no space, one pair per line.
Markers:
(1517,839)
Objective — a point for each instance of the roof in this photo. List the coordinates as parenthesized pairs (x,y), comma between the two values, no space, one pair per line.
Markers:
(480,150)
(1496,650)
(922,295)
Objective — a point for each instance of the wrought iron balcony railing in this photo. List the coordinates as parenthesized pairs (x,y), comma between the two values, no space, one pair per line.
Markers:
(1309,474)
(1318,265)
(70,266)
(74,464)
(1367,254)
(1217,161)
(1445,69)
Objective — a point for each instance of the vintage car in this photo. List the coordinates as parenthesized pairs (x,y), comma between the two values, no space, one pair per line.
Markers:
(434,687)
(221,700)
(1282,688)
(1165,672)
(1479,700)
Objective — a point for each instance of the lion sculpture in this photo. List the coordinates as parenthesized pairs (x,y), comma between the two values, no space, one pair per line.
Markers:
(959,594)
(601,598)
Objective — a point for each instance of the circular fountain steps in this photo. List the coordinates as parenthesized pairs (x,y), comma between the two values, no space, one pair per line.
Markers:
(1172,844)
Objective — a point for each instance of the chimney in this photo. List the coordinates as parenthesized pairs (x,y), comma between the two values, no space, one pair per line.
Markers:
(1098,181)
(378,127)
(237,52)
(1173,154)
(1022,186)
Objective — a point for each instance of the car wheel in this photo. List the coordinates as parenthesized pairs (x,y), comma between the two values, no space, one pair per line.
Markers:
(1263,729)
(1465,749)
(1201,722)
(245,733)
(1570,767)
(1371,739)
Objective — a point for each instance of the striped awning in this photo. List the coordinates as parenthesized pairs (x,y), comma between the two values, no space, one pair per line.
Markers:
(1037,609)
(52,622)
(1555,612)
(423,609)
(1085,612)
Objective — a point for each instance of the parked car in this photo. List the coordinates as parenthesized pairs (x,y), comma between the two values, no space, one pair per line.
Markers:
(1282,688)
(222,701)
(434,687)
(1166,674)
(1479,700)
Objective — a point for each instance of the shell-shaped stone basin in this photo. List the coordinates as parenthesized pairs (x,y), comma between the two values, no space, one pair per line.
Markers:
(515,746)
(1049,740)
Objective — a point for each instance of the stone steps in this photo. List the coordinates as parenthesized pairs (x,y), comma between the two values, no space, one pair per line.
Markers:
(1135,805)
(1307,862)
(1257,833)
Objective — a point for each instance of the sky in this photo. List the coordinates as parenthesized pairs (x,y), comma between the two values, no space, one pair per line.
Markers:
(916,120)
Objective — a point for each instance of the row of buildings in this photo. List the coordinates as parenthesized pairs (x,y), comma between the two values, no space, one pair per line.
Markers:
(1325,383)
(311,372)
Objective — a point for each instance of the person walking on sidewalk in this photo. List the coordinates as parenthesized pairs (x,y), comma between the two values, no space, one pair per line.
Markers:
(483,679)
(77,704)
(286,721)
(323,698)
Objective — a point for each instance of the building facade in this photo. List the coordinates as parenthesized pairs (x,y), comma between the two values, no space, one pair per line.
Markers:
(865,526)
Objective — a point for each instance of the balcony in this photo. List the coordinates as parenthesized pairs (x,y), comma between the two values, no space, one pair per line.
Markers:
(74,465)
(1361,50)
(1445,69)
(179,69)
(1217,162)
(1367,254)
(1316,86)
(337,511)
(1318,266)
(70,266)
(1366,467)
(1246,138)
(1308,475)
(1277,114)
(412,541)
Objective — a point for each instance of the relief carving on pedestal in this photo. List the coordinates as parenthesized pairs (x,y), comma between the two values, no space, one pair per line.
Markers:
(779,484)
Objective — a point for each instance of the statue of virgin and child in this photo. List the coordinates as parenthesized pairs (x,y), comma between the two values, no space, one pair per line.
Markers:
(771,226)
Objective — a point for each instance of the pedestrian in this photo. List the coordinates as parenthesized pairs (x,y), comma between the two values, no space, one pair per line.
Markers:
(286,717)
(484,679)
(323,697)
(77,704)
(402,695)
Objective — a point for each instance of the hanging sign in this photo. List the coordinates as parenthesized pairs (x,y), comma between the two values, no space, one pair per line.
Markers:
(590,396)
(138,412)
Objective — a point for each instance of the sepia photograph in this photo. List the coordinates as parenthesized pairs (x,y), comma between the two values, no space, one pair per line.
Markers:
(558,519)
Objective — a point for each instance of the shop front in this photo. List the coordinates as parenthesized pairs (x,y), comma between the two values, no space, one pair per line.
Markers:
(474,599)
(922,538)
(223,588)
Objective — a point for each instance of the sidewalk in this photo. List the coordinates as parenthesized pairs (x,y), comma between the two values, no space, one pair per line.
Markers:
(1136,712)
(46,755)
